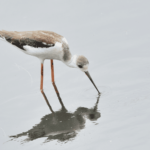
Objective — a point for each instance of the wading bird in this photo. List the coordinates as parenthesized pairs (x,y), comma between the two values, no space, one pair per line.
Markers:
(47,45)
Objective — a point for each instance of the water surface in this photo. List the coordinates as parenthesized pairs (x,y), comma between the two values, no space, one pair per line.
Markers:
(114,36)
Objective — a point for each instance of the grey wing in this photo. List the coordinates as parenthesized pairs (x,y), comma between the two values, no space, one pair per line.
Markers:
(32,38)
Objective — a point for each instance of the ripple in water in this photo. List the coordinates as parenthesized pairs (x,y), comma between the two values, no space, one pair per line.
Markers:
(92,93)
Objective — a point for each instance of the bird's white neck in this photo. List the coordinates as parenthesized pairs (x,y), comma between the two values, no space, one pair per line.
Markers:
(72,62)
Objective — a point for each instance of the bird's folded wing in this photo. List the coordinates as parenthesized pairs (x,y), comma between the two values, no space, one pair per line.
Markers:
(32,38)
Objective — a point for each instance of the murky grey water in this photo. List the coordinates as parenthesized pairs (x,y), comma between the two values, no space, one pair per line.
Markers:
(114,36)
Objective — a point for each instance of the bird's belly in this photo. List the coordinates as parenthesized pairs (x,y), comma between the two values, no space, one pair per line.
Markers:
(54,52)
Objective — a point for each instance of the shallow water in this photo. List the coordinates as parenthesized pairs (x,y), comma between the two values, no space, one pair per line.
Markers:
(114,36)
(61,125)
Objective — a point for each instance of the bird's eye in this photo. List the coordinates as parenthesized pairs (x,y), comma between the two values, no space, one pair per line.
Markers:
(79,66)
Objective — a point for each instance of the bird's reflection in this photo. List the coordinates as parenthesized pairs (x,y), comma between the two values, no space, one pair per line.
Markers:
(61,125)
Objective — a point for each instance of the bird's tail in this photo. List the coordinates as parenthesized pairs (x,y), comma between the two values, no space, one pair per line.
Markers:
(2,37)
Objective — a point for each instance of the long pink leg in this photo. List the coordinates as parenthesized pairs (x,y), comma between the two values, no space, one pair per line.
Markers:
(55,87)
(42,91)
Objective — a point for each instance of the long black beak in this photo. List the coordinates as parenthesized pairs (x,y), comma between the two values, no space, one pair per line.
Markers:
(87,73)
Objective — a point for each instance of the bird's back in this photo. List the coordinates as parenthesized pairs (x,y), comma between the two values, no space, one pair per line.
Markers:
(32,38)
(36,43)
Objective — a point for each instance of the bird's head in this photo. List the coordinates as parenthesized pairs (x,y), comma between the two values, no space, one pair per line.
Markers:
(82,63)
